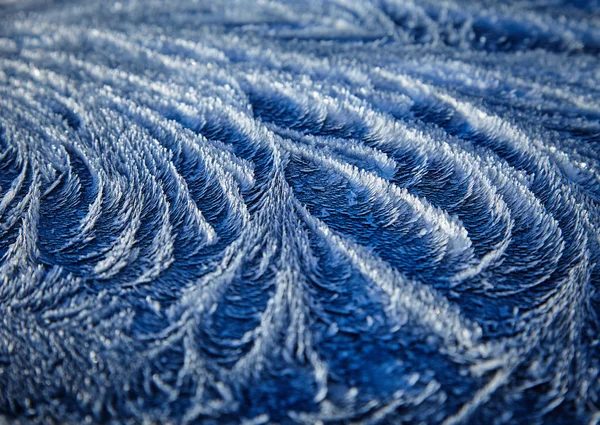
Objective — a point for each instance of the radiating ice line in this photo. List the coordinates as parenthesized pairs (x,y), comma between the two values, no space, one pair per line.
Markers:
(309,212)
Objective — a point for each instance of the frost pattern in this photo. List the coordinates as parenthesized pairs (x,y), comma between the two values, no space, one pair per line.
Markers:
(299,212)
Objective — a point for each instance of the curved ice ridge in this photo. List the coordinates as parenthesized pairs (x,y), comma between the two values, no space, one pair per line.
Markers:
(299,212)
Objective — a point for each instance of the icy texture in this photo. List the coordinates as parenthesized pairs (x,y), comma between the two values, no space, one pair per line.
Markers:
(296,212)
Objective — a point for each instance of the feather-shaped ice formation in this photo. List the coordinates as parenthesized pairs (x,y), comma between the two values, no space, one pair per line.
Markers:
(305,212)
